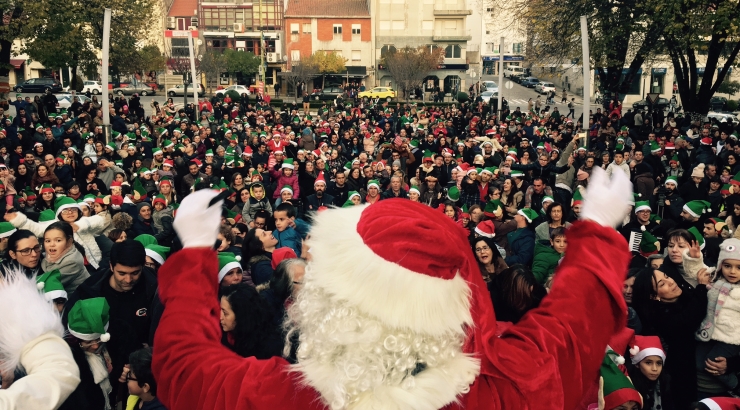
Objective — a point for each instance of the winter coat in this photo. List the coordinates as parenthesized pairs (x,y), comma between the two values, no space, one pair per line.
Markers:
(613,167)
(260,268)
(565,180)
(545,262)
(162,221)
(521,247)
(288,238)
(72,267)
(644,184)
(252,206)
(89,227)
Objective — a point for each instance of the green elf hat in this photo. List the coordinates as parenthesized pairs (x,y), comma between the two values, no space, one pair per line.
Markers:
(671,180)
(64,202)
(111,145)
(226,262)
(615,388)
(115,134)
(286,188)
(453,194)
(517,174)
(6,229)
(465,211)
(51,284)
(674,158)
(697,236)
(159,199)
(46,188)
(373,183)
(414,143)
(287,163)
(726,189)
(209,152)
(414,189)
(139,191)
(697,208)
(146,240)
(624,128)
(348,204)
(493,209)
(47,215)
(88,319)
(654,147)
(29,194)
(157,151)
(736,179)
(158,253)
(528,214)
(649,244)
(488,170)
(161,131)
(169,144)
(642,206)
(428,156)
(352,194)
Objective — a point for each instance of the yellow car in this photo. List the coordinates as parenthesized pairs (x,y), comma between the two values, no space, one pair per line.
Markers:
(378,92)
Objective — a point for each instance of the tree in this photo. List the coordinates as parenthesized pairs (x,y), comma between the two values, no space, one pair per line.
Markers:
(300,72)
(240,63)
(729,87)
(409,66)
(327,63)
(178,61)
(213,64)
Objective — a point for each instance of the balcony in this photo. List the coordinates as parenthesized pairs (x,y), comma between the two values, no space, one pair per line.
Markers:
(452,35)
(448,8)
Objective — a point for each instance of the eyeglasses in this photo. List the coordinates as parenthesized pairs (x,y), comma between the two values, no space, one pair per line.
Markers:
(129,378)
(150,265)
(259,224)
(68,211)
(90,343)
(25,252)
(482,249)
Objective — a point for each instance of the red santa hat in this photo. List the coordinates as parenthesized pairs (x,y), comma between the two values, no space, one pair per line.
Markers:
(706,141)
(361,252)
(320,179)
(721,403)
(115,184)
(168,163)
(247,151)
(486,229)
(644,346)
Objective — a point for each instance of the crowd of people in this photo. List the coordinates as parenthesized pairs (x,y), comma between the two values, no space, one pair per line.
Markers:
(92,221)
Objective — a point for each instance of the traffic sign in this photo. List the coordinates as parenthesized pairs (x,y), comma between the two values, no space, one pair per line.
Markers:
(509,85)
(652,98)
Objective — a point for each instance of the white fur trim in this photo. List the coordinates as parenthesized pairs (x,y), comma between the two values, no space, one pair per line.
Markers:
(289,189)
(285,165)
(345,267)
(55,294)
(154,255)
(229,266)
(373,184)
(642,208)
(26,316)
(650,351)
(690,212)
(87,336)
(432,389)
(6,234)
(485,234)
(63,207)
(711,404)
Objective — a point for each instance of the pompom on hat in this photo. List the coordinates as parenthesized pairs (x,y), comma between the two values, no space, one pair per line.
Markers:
(615,388)
(157,252)
(644,346)
(697,208)
(50,283)
(528,214)
(226,262)
(729,249)
(88,319)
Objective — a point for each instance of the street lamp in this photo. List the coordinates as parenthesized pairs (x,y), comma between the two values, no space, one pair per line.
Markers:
(644,77)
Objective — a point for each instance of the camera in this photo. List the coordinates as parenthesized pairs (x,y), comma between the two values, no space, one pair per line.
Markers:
(663,192)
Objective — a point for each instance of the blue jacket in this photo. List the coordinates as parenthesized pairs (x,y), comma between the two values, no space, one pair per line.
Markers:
(288,238)
(521,244)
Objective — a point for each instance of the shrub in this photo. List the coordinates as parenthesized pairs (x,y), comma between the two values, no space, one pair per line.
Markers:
(462,97)
(235,96)
(732,105)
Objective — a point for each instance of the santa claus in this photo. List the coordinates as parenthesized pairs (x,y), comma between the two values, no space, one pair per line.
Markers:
(394,314)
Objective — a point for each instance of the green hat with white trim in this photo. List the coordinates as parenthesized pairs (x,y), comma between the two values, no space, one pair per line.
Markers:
(528,214)
(64,202)
(415,189)
(672,180)
(88,319)
(51,284)
(47,215)
(286,188)
(697,208)
(373,182)
(453,194)
(654,147)
(157,151)
(146,240)
(642,206)
(352,194)
(226,262)
(697,235)
(6,229)
(157,252)
(111,145)
(287,163)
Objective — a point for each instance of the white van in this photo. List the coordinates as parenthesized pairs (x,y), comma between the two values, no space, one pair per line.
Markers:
(513,70)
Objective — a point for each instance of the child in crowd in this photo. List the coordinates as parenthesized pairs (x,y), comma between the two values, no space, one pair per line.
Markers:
(140,382)
(286,176)
(646,371)
(257,201)
(284,233)
(547,258)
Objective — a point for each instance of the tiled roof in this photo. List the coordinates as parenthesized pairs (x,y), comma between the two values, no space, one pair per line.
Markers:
(327,8)
(184,8)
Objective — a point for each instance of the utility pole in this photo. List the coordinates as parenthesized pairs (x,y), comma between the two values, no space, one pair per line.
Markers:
(192,73)
(586,64)
(104,80)
(500,78)
(261,71)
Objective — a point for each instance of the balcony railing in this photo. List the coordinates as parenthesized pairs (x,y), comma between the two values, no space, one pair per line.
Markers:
(452,35)
(442,8)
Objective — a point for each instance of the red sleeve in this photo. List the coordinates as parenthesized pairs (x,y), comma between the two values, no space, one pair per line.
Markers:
(550,358)
(193,369)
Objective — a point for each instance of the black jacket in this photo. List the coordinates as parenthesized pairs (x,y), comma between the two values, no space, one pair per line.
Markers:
(313,202)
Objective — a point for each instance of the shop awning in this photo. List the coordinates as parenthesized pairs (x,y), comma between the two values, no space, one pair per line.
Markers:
(17,62)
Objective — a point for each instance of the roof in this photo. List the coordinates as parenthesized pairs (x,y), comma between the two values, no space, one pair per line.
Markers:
(184,8)
(327,8)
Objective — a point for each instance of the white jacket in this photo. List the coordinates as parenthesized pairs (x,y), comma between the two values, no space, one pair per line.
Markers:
(90,226)
(727,322)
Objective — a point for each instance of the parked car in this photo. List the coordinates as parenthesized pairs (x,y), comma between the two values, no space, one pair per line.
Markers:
(490,86)
(487,95)
(722,116)
(241,89)
(518,78)
(378,92)
(66,100)
(180,90)
(718,104)
(141,89)
(513,70)
(530,82)
(38,85)
(544,87)
(328,93)
(93,87)
(660,105)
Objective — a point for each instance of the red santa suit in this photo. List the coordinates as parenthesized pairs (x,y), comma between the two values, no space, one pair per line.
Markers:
(546,361)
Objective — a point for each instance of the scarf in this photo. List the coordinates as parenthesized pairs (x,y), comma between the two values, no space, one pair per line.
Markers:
(719,291)
(99,363)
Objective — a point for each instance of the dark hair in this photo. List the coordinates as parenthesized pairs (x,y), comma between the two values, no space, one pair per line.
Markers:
(242,227)
(61,226)
(511,294)
(643,293)
(288,208)
(548,213)
(559,231)
(225,230)
(680,233)
(115,234)
(281,283)
(18,236)
(255,333)
(491,244)
(646,387)
(251,246)
(618,153)
(128,253)
(140,363)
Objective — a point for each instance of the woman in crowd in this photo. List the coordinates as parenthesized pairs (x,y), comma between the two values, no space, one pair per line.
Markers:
(247,323)
(24,254)
(489,259)
(554,219)
(514,292)
(257,251)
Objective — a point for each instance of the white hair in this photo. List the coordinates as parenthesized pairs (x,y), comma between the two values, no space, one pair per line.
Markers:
(348,355)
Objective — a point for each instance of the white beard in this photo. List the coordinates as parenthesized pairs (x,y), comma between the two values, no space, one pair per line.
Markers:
(357,362)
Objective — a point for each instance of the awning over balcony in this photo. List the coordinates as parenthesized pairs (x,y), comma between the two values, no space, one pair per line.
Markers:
(17,62)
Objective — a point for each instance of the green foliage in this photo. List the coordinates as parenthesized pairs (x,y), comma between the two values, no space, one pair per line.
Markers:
(233,95)
(732,105)
(409,66)
(729,87)
(241,62)
(462,97)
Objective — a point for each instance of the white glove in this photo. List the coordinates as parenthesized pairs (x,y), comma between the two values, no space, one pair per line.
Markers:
(606,202)
(197,223)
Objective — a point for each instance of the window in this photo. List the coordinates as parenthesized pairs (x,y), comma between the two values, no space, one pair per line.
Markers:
(488,32)
(337,52)
(356,55)
(385,24)
(516,48)
(355,29)
(398,24)
(181,24)
(337,29)
(452,51)
(450,25)
(427,25)
(180,47)
(386,49)
(489,9)
(295,55)
(293,28)
(306,28)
